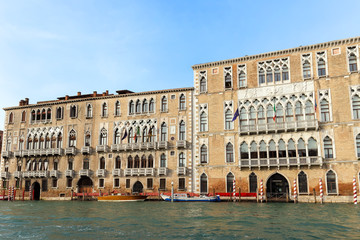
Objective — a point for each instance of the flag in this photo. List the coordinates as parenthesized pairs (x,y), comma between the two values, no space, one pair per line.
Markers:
(125,134)
(274,117)
(149,135)
(137,133)
(315,104)
(235,115)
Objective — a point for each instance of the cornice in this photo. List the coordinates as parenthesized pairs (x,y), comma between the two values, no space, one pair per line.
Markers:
(278,53)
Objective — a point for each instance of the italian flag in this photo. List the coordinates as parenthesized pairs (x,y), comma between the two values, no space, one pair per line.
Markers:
(137,133)
(274,117)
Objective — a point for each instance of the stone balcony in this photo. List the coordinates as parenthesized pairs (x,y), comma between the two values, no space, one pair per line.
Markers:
(70,151)
(163,144)
(18,153)
(69,173)
(306,125)
(282,162)
(6,154)
(86,150)
(55,151)
(162,171)
(26,174)
(181,170)
(17,174)
(42,174)
(5,175)
(54,173)
(84,173)
(116,172)
(181,143)
(100,172)
(102,148)
(139,172)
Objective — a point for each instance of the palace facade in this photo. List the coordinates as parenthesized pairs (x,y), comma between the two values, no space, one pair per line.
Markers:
(297,117)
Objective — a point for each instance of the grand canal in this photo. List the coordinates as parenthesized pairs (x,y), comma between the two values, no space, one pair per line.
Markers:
(163,220)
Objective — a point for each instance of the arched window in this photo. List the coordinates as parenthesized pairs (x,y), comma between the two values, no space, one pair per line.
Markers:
(131,107)
(289,113)
(33,116)
(252,117)
(48,115)
(181,159)
(136,162)
(272,149)
(203,154)
(72,138)
(229,182)
(242,79)
(309,110)
(130,162)
(11,118)
(87,139)
(279,113)
(23,116)
(150,161)
(244,151)
(203,184)
(312,147)
(277,75)
(253,182)
(291,148)
(228,80)
(299,111)
(38,115)
(243,117)
(164,104)
(331,182)
(104,110)
(131,135)
(59,113)
(261,115)
(182,130)
(36,142)
(229,153)
(21,143)
(42,140)
(143,161)
(228,120)
(145,106)
(302,179)
(328,147)
(203,122)
(285,73)
(102,163)
(117,136)
(301,148)
(182,104)
(356,107)
(152,106)
(325,112)
(163,136)
(117,108)
(73,111)
(261,76)
(43,115)
(47,141)
(321,67)
(89,111)
(269,75)
(59,141)
(117,162)
(263,151)
(282,149)
(306,70)
(86,163)
(163,160)
(270,114)
(352,63)
(253,150)
(8,144)
(145,135)
(103,136)
(358,145)
(138,106)
(203,84)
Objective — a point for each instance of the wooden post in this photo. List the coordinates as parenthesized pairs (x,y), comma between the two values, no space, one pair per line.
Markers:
(257,195)
(159,194)
(287,197)
(314,195)
(239,194)
(72,192)
(214,192)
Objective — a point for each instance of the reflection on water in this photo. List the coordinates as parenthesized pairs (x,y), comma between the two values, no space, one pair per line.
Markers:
(149,220)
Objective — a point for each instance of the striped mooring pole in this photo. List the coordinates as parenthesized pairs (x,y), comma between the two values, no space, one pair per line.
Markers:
(295,191)
(261,190)
(355,192)
(321,191)
(9,194)
(234,190)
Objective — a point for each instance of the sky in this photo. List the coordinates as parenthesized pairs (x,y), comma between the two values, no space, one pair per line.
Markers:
(53,48)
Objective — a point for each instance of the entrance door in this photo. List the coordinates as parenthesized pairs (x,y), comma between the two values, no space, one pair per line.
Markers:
(36,191)
(277,187)
(138,187)
(85,185)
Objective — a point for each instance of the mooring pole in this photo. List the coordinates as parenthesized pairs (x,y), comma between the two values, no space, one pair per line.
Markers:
(314,195)
(172,191)
(239,194)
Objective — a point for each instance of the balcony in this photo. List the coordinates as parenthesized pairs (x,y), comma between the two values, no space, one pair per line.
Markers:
(43,152)
(279,127)
(86,150)
(100,172)
(181,144)
(17,174)
(84,173)
(282,162)
(163,145)
(25,153)
(139,172)
(26,174)
(102,148)
(55,151)
(70,151)
(32,174)
(151,145)
(5,175)
(37,152)
(118,147)
(54,173)
(69,173)
(6,154)
(116,172)
(181,170)
(135,146)
(18,153)
(162,171)
(42,174)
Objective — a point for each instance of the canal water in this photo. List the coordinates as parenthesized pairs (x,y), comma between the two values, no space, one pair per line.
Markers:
(164,220)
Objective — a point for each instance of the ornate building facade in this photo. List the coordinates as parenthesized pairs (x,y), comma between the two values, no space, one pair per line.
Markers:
(274,118)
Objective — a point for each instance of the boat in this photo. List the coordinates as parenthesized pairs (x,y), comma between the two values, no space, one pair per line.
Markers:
(183,197)
(122,198)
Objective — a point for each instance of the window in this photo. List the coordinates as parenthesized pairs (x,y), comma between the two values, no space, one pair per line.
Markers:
(131,107)
(279,113)
(56,165)
(328,148)
(33,116)
(117,108)
(181,183)
(301,148)
(38,115)
(145,106)
(263,150)
(89,111)
(325,113)
(149,183)
(54,182)
(203,184)
(163,160)
(285,73)
(289,113)
(321,63)
(182,103)
(352,63)
(87,139)
(103,136)
(44,185)
(136,162)
(331,182)
(117,136)
(70,164)
(229,153)
(102,163)
(282,149)
(358,145)
(72,138)
(86,164)
(23,116)
(229,124)
(127,184)
(59,141)
(163,136)
(117,162)
(11,118)
(152,106)
(182,160)
(162,184)
(261,115)
(270,114)
(143,161)
(182,130)
(138,106)
(116,182)
(253,182)
(277,75)
(59,113)
(353,54)
(302,179)
(73,111)
(291,148)
(242,75)
(150,161)
(203,122)
(43,115)
(306,65)
(69,182)
(356,107)
(227,77)
(203,79)
(261,76)
(312,147)
(269,75)
(253,150)
(229,182)
(164,104)
(309,110)
(244,151)
(101,183)
(299,111)
(27,185)
(203,154)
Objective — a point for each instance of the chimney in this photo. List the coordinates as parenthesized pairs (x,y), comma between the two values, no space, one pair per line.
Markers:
(79,93)
(107,92)
(67,97)
(21,103)
(26,102)
(95,93)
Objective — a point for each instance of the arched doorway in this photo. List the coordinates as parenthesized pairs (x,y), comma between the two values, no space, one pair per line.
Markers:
(35,191)
(85,185)
(277,187)
(138,187)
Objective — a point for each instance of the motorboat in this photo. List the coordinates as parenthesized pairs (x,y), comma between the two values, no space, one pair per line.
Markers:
(183,197)
(122,198)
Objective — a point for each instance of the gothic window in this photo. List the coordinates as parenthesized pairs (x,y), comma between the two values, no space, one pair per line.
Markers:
(143,161)
(138,106)
(302,179)
(117,162)
(203,122)
(309,110)
(321,63)
(261,115)
(243,117)
(229,124)
(33,115)
(182,130)
(70,164)
(269,75)
(253,150)
(86,164)
(312,147)
(131,136)
(277,74)
(289,112)
(291,148)
(164,104)
(136,162)
(36,142)
(252,117)
(42,139)
(43,115)
(47,141)
(253,182)
(181,159)
(87,139)
(59,141)
(182,103)
(331,182)
(229,153)
(48,115)
(21,143)
(163,136)
(353,54)
(203,77)
(328,147)
(358,145)
(356,107)
(285,73)
(299,111)
(145,134)
(131,107)
(229,182)
(104,110)
(263,151)
(73,111)
(103,136)
(11,118)
(227,77)
(301,148)
(117,108)
(89,111)
(72,138)
(279,113)
(203,154)
(242,75)
(282,149)
(23,116)
(29,143)
(130,162)
(270,114)
(325,113)
(102,163)
(145,106)
(38,115)
(163,160)
(203,183)
(244,151)
(261,76)
(151,106)
(117,136)
(59,113)
(150,161)
(306,65)
(275,71)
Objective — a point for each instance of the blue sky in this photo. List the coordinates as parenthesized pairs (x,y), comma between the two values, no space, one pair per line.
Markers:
(54,48)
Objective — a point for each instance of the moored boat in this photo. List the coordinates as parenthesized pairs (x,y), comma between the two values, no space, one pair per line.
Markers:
(122,198)
(183,197)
